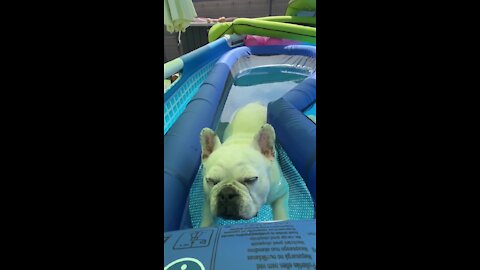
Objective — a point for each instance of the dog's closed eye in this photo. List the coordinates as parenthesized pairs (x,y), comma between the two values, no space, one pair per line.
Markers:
(250,180)
(211,181)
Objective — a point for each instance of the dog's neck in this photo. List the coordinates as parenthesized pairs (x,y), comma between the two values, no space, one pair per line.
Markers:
(239,138)
(276,187)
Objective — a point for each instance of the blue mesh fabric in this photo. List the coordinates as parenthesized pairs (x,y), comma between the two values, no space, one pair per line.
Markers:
(300,202)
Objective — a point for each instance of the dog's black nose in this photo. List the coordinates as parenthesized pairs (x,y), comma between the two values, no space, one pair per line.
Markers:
(228,204)
(227,195)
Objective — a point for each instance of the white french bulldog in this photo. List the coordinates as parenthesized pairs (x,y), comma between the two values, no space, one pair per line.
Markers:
(242,174)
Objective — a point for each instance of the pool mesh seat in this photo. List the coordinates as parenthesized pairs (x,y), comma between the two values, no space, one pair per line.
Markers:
(300,202)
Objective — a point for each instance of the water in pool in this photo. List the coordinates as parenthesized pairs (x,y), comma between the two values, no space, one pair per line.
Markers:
(261,84)
(311,112)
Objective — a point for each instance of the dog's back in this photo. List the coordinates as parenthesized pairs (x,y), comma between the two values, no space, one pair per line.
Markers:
(246,122)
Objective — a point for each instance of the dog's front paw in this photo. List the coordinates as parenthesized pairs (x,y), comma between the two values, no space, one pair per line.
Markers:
(206,224)
(280,208)
(279,215)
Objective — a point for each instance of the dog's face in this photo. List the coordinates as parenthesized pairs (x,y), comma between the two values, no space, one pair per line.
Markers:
(237,177)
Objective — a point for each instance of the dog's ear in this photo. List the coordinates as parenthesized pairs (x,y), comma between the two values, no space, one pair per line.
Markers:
(265,141)
(209,141)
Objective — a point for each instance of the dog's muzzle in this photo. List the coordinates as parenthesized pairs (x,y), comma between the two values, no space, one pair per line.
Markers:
(228,204)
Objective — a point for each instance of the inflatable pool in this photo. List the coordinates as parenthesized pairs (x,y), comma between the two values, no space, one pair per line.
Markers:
(275,66)
(215,102)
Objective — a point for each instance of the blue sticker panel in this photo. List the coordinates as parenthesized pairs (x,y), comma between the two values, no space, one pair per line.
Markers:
(270,245)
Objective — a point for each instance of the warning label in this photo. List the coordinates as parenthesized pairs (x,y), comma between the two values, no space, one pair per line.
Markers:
(273,245)
(194,239)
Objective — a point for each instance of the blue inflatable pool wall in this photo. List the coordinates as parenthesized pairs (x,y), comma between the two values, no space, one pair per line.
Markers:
(295,132)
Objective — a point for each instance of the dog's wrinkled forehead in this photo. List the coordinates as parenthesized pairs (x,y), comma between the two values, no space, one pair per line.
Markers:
(235,156)
(234,162)
(225,171)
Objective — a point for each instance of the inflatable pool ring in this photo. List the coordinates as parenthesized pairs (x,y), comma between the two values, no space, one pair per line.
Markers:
(307,21)
(266,28)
